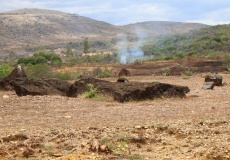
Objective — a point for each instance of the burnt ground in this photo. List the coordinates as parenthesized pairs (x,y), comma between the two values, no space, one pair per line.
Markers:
(176,67)
(57,127)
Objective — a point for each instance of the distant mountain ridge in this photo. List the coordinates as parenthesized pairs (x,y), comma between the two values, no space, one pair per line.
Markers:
(156,28)
(37,27)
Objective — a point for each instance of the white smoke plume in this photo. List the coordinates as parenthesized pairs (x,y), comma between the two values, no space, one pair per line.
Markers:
(129,52)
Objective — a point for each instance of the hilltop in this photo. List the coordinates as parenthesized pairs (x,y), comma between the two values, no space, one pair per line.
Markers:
(26,28)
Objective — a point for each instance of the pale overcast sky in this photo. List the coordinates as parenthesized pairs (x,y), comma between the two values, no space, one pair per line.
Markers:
(120,12)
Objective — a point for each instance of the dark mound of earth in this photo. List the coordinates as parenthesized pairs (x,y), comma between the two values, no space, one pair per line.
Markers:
(123,92)
(31,86)
(16,73)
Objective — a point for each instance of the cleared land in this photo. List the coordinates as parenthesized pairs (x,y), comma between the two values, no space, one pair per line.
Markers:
(55,127)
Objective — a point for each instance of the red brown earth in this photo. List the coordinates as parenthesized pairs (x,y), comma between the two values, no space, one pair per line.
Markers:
(57,127)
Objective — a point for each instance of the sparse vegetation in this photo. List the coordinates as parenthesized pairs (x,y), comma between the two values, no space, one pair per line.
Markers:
(100,73)
(66,75)
(38,71)
(184,76)
(122,130)
(4,70)
(92,91)
(54,126)
(165,71)
(226,60)
(210,41)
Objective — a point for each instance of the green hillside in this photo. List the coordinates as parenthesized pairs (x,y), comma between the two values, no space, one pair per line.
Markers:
(209,42)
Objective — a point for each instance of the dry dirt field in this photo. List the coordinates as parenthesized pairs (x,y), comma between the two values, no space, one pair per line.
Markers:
(54,127)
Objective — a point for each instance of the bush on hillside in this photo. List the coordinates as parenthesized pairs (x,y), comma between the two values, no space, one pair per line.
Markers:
(4,70)
(41,57)
(38,71)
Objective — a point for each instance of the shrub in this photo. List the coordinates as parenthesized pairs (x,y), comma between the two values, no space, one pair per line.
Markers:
(188,72)
(180,55)
(41,57)
(226,60)
(105,73)
(4,70)
(66,75)
(97,72)
(38,71)
(165,71)
(92,91)
(170,57)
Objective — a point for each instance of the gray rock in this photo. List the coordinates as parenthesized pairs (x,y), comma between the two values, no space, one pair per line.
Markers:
(208,85)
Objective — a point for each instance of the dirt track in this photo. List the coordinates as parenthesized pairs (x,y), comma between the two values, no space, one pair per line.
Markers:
(195,127)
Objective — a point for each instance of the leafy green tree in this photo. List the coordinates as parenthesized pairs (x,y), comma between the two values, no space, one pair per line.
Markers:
(85,45)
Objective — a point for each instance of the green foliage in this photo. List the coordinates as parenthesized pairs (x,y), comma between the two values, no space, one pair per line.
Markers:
(66,75)
(56,62)
(170,57)
(105,73)
(41,57)
(226,60)
(188,72)
(213,54)
(183,76)
(85,45)
(207,41)
(100,58)
(105,140)
(100,45)
(38,71)
(4,70)
(179,55)
(99,72)
(92,91)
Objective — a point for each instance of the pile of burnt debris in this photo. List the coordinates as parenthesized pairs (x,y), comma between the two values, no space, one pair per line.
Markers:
(212,80)
(121,91)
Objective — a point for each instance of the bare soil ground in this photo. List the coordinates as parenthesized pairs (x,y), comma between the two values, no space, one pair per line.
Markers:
(55,127)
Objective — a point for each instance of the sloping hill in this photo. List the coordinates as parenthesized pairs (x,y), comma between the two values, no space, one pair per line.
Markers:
(43,27)
(210,41)
(27,28)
